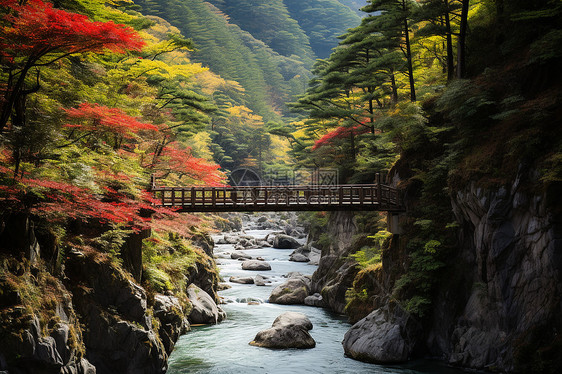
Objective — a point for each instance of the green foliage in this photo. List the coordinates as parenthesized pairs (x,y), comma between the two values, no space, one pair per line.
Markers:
(368,256)
(111,242)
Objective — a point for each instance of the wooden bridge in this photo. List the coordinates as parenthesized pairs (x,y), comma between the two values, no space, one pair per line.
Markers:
(376,196)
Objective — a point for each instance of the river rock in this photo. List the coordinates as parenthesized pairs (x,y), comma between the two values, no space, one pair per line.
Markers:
(283,241)
(261,280)
(314,300)
(293,291)
(289,330)
(255,265)
(299,257)
(240,255)
(242,280)
(205,310)
(300,254)
(314,256)
(230,239)
(387,335)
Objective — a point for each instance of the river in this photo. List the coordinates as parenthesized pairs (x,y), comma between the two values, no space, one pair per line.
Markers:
(224,348)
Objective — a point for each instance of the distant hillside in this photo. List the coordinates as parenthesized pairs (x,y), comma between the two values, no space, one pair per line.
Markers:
(355,5)
(268,78)
(292,27)
(322,21)
(267,46)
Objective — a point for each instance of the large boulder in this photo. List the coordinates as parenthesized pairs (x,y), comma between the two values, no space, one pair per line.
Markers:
(242,280)
(293,291)
(255,265)
(240,255)
(387,335)
(205,310)
(289,330)
(283,241)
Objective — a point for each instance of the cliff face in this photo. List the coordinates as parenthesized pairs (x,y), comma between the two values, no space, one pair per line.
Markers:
(503,309)
(87,314)
(498,305)
(335,271)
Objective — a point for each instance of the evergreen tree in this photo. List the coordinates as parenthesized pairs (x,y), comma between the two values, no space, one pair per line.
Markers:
(392,19)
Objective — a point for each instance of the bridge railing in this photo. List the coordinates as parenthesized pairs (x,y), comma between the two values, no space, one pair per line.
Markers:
(367,196)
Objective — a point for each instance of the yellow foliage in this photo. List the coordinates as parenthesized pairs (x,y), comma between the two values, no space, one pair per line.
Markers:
(211,83)
(200,144)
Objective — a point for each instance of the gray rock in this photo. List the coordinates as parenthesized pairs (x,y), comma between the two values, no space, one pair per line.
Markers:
(283,241)
(255,265)
(379,338)
(230,239)
(260,280)
(204,311)
(289,330)
(314,256)
(173,323)
(314,300)
(293,291)
(298,257)
(240,255)
(242,280)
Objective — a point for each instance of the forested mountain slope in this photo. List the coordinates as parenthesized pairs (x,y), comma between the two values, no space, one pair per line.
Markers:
(354,5)
(303,28)
(260,44)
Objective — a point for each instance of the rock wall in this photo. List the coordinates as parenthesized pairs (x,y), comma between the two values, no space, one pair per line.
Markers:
(499,304)
(503,306)
(335,272)
(89,316)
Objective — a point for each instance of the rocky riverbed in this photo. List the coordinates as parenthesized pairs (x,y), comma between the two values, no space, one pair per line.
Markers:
(270,309)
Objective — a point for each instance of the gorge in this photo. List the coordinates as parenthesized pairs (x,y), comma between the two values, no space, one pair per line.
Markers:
(454,106)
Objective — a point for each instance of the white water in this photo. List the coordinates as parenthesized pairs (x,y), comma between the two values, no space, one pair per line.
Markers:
(224,348)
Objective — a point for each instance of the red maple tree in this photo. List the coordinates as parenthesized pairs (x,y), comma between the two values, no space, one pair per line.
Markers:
(99,118)
(180,161)
(34,34)
(341,132)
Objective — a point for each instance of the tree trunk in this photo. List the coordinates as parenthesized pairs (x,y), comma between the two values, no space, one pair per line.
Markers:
(394,89)
(409,54)
(372,112)
(450,57)
(461,53)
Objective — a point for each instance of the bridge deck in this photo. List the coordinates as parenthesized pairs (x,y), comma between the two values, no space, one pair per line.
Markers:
(280,198)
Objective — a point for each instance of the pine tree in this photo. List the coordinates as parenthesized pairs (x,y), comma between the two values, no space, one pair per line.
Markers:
(392,18)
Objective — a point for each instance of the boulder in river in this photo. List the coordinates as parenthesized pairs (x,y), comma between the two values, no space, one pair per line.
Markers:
(314,300)
(239,255)
(387,335)
(255,265)
(283,241)
(289,330)
(261,280)
(204,310)
(299,257)
(293,291)
(242,280)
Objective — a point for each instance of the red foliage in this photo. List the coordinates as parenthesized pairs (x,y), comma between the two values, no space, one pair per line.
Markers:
(35,29)
(104,118)
(181,161)
(341,132)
